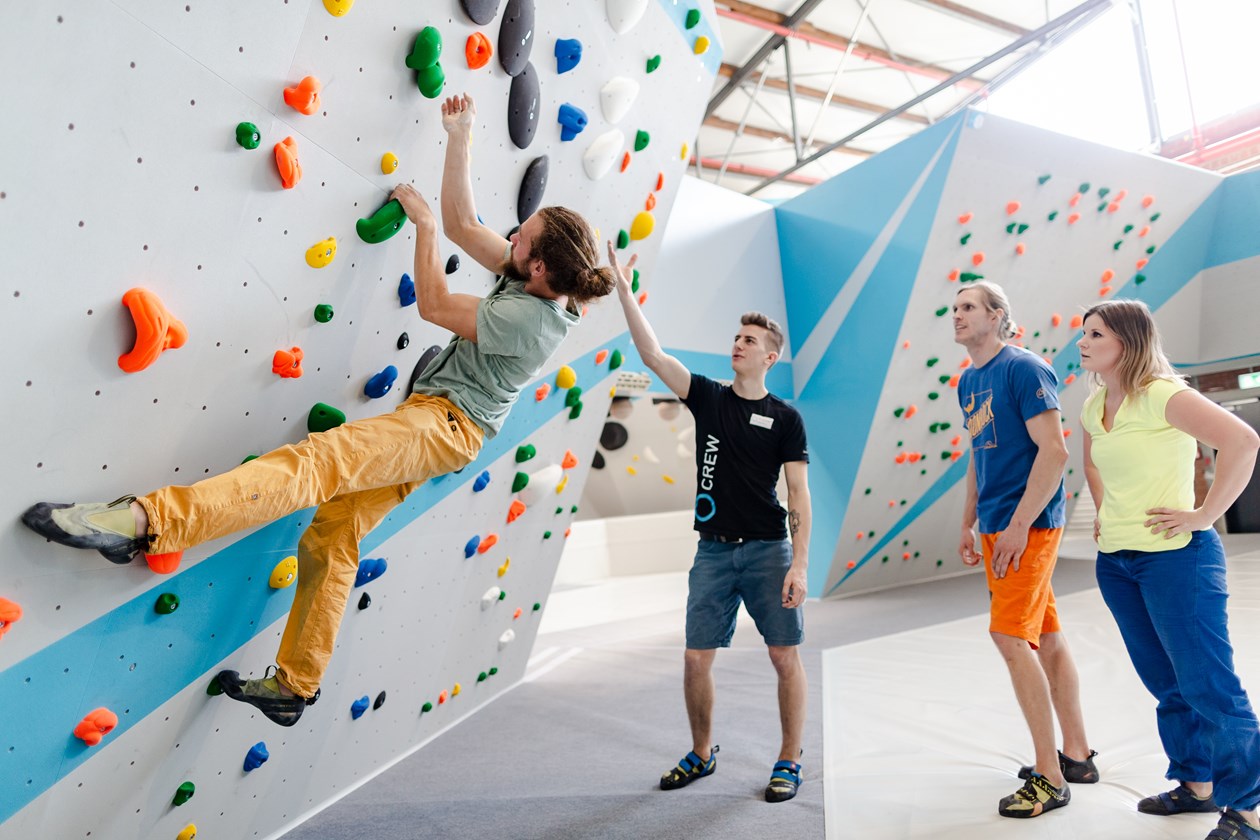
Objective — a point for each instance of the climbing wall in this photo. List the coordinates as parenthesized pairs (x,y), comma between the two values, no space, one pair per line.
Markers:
(872,261)
(129,167)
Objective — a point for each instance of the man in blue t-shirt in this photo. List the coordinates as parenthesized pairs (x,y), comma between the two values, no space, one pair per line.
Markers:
(1010,403)
(744,436)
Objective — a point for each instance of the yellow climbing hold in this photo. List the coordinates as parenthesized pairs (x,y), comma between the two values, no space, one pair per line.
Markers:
(456,690)
(189,832)
(563,483)
(566,378)
(632,471)
(683,154)
(322,253)
(667,479)
(701,45)
(338,8)
(642,226)
(503,569)
(284,573)
(612,392)
(389,161)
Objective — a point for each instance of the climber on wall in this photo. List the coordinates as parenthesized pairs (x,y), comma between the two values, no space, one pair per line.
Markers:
(744,436)
(357,472)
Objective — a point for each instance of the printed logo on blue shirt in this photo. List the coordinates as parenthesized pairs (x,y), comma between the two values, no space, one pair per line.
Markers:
(980,421)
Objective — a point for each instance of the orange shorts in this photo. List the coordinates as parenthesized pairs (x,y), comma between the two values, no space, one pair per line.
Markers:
(1021,604)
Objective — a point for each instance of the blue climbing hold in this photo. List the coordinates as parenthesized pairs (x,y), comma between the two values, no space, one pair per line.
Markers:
(482,481)
(370,568)
(568,54)
(572,120)
(257,756)
(406,291)
(380,384)
(358,707)
(470,547)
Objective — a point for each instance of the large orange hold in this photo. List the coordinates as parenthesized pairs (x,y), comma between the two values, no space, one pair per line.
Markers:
(156,330)
(477,51)
(515,510)
(287,163)
(10,612)
(304,96)
(488,543)
(287,363)
(164,564)
(95,725)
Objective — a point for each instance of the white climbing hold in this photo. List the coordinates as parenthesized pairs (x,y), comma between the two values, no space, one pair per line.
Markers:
(624,14)
(507,638)
(602,153)
(491,597)
(540,482)
(616,97)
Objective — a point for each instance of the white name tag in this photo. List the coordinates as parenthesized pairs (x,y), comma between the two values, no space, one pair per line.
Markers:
(761,420)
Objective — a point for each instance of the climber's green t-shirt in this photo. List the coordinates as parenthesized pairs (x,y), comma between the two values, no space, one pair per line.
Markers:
(516,334)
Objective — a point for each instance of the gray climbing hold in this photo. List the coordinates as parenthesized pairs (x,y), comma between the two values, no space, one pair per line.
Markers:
(516,36)
(532,187)
(428,356)
(523,101)
(480,12)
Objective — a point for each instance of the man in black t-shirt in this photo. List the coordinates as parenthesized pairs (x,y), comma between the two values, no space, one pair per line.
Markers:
(744,436)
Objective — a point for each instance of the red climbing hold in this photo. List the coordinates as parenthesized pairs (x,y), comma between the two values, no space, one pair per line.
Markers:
(304,96)
(156,330)
(541,392)
(95,725)
(10,612)
(660,181)
(625,161)
(164,564)
(287,363)
(600,356)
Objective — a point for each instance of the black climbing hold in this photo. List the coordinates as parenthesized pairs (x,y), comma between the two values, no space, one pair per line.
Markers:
(532,187)
(310,701)
(523,100)
(380,701)
(480,12)
(427,357)
(452,264)
(365,601)
(598,462)
(614,436)
(403,341)
(516,36)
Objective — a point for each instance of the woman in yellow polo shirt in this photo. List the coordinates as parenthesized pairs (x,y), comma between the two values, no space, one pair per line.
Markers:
(1161,568)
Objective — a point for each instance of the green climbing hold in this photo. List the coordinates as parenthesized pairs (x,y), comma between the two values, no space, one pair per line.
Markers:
(932,361)
(546,535)
(494,671)
(884,559)
(518,483)
(427,707)
(537,606)
(1022,227)
(900,443)
(482,677)
(933,395)
(247,135)
(1010,228)
(248,458)
(964,239)
(970,277)
(1053,215)
(934,428)
(166,604)
(576,411)
(1150,250)
(1037,334)
(525,452)
(1128,228)
(573,509)
(623,239)
(1071,366)
(693,17)
(902,503)
(944,425)
(868,492)
(897,412)
(615,360)
(634,284)
(426,49)
(1155,217)
(1083,188)
(1102,207)
(502,596)
(324,313)
(382,224)
(653,63)
(943,378)
(184,793)
(641,139)
(1116,245)
(573,396)
(1043,179)
(942,311)
(1139,279)
(1102,191)
(214,689)
(940,562)
(559,510)
(946,455)
(324,417)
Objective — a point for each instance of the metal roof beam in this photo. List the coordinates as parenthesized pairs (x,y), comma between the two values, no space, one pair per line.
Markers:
(763,52)
(820,95)
(976,16)
(770,134)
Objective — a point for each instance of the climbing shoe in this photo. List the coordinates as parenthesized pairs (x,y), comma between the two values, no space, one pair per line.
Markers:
(1179,800)
(109,527)
(690,768)
(1035,798)
(784,780)
(1233,826)
(1074,772)
(264,695)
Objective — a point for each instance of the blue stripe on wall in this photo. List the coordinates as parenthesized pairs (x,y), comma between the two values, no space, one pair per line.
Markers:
(839,403)
(711,59)
(1236,221)
(120,662)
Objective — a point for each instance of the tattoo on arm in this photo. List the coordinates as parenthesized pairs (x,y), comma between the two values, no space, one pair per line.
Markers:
(794,521)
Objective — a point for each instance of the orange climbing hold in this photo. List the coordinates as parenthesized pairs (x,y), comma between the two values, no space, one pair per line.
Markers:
(156,330)
(965,363)
(955,455)
(1076,322)
(892,502)
(1012,207)
(1108,275)
(1141,264)
(569,461)
(1067,433)
(541,392)
(10,612)
(1120,196)
(964,218)
(650,204)
(515,510)
(164,564)
(287,163)
(567,531)
(1056,319)
(441,698)
(477,51)
(955,440)
(977,258)
(1074,218)
(304,96)
(915,456)
(95,725)
(901,457)
(911,410)
(516,614)
(852,564)
(287,363)
(488,543)
(1074,200)
(660,181)
(1071,377)
(1104,291)
(905,345)
(642,298)
(861,534)
(625,161)
(1020,248)
(905,555)
(953,381)
(954,275)
(1145,230)
(1147,200)
(600,356)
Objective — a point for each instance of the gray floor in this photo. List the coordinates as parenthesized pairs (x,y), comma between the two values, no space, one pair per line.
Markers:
(577,752)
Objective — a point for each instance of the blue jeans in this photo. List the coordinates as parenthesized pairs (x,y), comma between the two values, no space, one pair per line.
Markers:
(1170,607)
(722,575)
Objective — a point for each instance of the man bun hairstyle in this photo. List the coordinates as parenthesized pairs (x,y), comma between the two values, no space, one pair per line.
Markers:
(567,246)
(994,298)
(771,326)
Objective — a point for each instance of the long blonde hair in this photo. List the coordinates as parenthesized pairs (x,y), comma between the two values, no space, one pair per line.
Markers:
(1142,358)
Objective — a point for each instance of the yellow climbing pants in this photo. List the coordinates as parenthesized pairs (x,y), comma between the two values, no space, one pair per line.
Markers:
(357,473)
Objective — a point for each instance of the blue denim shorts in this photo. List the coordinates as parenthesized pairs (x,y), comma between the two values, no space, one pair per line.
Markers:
(722,575)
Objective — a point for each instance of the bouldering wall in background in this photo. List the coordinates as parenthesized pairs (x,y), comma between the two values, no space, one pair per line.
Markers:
(130,168)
